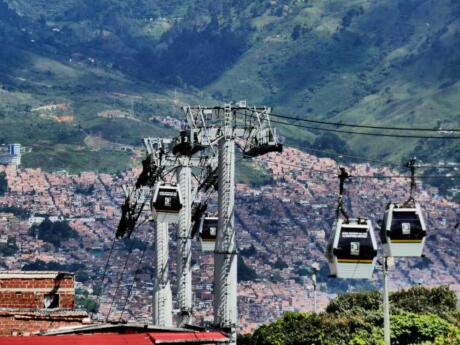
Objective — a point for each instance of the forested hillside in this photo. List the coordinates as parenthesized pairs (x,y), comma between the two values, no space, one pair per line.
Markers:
(392,62)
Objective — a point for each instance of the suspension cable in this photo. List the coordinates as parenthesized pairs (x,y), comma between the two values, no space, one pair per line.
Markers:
(340,124)
(406,136)
(105,271)
(128,296)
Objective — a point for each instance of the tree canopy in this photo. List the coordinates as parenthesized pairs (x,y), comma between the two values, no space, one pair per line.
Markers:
(419,316)
(53,232)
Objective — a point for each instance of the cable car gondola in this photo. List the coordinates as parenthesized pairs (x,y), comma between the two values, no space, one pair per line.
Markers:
(403,231)
(167,203)
(352,248)
(208,233)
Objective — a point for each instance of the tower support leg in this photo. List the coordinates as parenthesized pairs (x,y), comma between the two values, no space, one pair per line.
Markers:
(225,256)
(162,298)
(184,249)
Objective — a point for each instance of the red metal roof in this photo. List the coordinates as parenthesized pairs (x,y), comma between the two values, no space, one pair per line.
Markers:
(118,339)
(92,339)
(189,337)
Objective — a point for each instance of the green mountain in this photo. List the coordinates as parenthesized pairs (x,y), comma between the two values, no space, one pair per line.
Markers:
(391,62)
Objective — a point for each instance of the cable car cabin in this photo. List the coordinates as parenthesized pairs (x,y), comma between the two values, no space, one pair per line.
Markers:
(208,233)
(404,231)
(352,249)
(167,203)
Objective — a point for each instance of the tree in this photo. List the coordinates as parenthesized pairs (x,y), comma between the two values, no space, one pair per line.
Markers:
(53,232)
(245,273)
(410,328)
(3,184)
(331,142)
(356,319)
(421,300)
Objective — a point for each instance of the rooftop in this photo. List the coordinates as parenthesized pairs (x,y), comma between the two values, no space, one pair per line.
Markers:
(34,274)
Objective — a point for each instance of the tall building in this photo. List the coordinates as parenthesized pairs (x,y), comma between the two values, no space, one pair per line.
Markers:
(13,156)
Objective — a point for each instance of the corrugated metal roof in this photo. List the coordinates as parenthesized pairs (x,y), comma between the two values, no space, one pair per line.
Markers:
(188,337)
(130,327)
(93,339)
(119,339)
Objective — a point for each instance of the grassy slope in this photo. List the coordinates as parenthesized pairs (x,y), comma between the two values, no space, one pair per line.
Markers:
(393,64)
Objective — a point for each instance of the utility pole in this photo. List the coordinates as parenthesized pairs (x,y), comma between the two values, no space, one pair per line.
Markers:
(315,268)
(184,250)
(386,301)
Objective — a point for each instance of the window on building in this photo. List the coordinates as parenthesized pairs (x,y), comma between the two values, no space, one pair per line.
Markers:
(51,301)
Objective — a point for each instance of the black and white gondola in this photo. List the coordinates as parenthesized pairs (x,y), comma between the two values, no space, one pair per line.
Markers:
(208,233)
(352,250)
(404,230)
(166,203)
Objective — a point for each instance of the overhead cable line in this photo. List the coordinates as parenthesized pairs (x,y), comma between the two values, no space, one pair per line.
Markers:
(407,136)
(118,284)
(365,126)
(361,176)
(380,162)
(339,155)
(105,271)
(128,296)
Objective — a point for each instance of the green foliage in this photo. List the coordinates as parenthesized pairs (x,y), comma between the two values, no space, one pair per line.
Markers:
(356,319)
(248,252)
(53,232)
(331,142)
(280,264)
(85,190)
(8,250)
(245,273)
(79,269)
(3,184)
(134,243)
(456,198)
(410,328)
(83,301)
(352,61)
(360,301)
(319,329)
(19,212)
(421,300)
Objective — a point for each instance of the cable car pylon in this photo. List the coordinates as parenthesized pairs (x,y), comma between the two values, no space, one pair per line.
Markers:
(184,248)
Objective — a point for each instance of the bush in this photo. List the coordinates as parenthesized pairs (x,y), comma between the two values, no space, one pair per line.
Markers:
(19,212)
(421,300)
(410,328)
(356,300)
(318,329)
